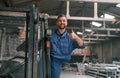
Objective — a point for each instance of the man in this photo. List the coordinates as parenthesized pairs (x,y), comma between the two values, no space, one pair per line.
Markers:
(62,44)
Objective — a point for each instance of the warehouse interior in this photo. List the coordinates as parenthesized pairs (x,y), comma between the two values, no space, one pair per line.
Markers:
(23,23)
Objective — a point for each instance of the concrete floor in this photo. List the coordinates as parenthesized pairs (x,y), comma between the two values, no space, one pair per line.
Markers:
(71,74)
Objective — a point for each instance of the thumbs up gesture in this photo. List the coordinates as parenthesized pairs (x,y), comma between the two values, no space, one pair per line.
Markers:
(72,34)
(76,37)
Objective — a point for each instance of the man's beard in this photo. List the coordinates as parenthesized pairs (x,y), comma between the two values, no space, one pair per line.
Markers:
(61,27)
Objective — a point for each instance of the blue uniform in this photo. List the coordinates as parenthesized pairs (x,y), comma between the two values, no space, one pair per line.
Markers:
(60,51)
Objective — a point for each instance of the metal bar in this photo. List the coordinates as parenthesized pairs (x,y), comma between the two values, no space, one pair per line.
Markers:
(88,42)
(12,22)
(14,9)
(106,29)
(26,49)
(3,42)
(14,25)
(95,10)
(16,18)
(95,39)
(31,43)
(35,58)
(68,9)
(95,18)
(100,1)
(103,35)
(75,28)
(9,13)
(84,18)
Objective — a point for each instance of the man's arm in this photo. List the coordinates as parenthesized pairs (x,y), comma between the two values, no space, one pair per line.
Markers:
(77,38)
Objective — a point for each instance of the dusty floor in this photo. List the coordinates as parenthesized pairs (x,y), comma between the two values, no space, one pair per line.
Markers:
(71,74)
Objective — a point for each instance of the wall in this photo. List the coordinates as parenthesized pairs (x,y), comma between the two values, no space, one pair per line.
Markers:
(107,50)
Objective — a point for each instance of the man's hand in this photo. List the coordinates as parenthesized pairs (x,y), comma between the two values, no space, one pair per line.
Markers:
(76,37)
(73,35)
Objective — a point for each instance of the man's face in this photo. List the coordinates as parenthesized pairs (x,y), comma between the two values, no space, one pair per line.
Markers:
(62,22)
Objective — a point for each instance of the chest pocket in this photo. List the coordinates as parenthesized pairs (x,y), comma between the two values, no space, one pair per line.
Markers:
(65,43)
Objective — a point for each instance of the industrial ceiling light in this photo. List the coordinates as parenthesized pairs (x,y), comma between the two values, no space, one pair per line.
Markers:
(118,5)
(79,33)
(107,16)
(88,30)
(96,24)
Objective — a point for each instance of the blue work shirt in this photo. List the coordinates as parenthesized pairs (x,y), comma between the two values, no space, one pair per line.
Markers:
(62,45)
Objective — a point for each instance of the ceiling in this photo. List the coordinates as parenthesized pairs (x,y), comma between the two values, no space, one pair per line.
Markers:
(80,14)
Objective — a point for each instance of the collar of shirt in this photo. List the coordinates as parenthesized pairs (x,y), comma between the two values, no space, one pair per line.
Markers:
(62,35)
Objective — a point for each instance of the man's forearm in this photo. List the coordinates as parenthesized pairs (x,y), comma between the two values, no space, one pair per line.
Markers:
(79,40)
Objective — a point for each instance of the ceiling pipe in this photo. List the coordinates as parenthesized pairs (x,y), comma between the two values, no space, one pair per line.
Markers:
(89,42)
(100,29)
(100,1)
(101,35)
(83,18)
(107,29)
(69,27)
(67,9)
(93,39)
(95,10)
(95,18)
